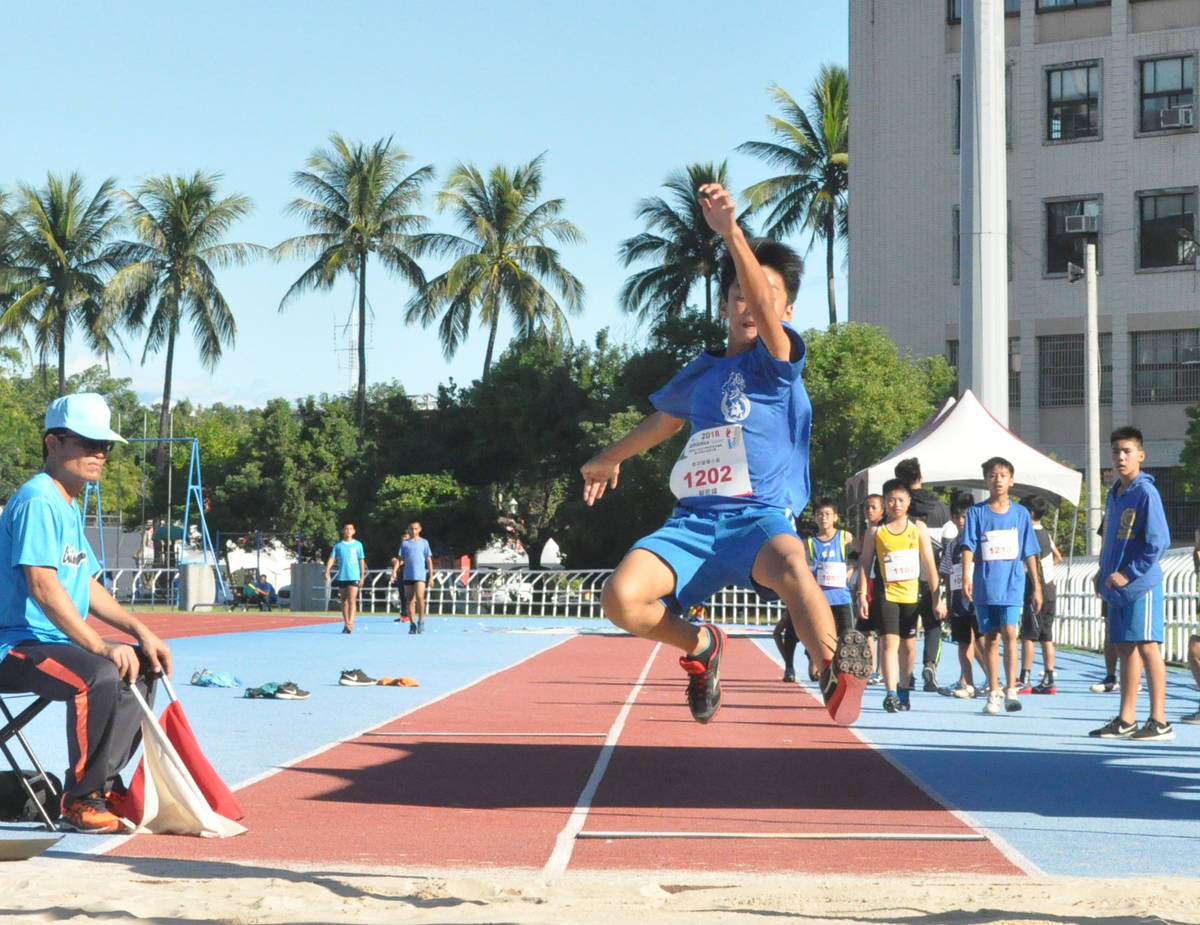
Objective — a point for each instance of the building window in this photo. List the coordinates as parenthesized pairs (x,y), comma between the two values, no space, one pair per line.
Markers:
(1060,370)
(1069,4)
(1062,246)
(954,9)
(1166,229)
(1073,102)
(1166,366)
(955,245)
(1008,97)
(1014,368)
(1167,94)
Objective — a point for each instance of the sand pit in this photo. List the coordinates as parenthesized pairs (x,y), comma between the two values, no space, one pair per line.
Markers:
(176,892)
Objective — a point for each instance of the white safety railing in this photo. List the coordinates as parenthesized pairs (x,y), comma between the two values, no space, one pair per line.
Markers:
(1080,623)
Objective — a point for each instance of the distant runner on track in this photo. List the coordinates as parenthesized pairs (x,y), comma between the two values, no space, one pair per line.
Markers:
(741,478)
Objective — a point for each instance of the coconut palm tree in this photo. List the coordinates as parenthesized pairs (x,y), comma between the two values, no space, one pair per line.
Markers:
(685,249)
(813,149)
(60,248)
(166,276)
(360,202)
(503,259)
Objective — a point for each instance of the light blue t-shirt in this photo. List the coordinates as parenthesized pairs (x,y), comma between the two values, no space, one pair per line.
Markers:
(40,527)
(346,556)
(414,553)
(766,398)
(1000,543)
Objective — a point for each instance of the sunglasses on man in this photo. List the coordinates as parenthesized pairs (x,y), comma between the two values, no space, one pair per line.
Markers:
(90,446)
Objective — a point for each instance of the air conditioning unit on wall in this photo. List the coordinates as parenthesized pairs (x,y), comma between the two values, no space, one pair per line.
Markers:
(1081,224)
(1176,117)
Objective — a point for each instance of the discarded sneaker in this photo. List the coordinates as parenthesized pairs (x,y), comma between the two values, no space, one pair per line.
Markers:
(289,691)
(704,681)
(355,678)
(398,682)
(845,678)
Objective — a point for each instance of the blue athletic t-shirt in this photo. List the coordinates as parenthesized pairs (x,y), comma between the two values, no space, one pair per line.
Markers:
(346,555)
(828,564)
(40,527)
(759,416)
(1000,543)
(414,554)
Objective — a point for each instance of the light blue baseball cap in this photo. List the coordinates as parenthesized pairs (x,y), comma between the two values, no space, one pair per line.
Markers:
(84,413)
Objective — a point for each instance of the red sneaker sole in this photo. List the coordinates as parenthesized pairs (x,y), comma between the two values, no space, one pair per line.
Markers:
(846,702)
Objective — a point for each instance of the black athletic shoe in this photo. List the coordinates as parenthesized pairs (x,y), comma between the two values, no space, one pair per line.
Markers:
(1116,729)
(355,678)
(289,691)
(704,683)
(891,704)
(929,675)
(845,678)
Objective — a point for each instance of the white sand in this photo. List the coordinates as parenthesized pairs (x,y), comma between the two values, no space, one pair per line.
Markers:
(112,890)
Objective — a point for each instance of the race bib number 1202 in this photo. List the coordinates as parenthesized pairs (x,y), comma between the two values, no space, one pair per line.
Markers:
(712,463)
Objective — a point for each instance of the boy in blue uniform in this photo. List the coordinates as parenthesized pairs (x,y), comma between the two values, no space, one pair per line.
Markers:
(416,558)
(1130,582)
(351,563)
(739,480)
(997,538)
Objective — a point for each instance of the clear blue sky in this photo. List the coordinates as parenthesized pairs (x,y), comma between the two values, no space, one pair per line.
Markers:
(616,94)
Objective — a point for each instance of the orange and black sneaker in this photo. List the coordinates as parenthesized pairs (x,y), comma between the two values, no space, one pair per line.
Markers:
(845,678)
(704,683)
(91,814)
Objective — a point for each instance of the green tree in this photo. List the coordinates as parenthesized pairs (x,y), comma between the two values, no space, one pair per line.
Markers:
(685,250)
(866,397)
(456,518)
(360,202)
(812,148)
(504,260)
(167,277)
(60,248)
(1189,456)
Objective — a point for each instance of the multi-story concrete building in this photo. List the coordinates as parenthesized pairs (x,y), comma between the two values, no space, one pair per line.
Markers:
(1101,120)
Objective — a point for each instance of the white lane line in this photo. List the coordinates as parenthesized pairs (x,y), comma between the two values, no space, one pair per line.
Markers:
(816,836)
(564,844)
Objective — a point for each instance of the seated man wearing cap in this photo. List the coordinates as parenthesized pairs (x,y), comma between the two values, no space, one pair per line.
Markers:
(49,588)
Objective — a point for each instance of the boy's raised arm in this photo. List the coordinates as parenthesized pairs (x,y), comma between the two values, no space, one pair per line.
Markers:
(601,471)
(720,214)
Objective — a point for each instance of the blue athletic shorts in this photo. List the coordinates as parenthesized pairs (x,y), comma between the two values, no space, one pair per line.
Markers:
(992,618)
(1140,620)
(708,551)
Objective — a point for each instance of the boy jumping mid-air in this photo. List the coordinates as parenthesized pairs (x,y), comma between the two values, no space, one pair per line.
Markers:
(740,479)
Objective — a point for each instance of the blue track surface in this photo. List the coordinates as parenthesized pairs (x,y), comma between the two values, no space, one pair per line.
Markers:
(1066,803)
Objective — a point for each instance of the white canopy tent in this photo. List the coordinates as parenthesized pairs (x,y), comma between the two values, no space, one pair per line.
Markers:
(953,443)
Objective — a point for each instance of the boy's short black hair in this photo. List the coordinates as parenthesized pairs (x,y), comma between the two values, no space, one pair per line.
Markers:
(880,497)
(1126,433)
(990,464)
(1037,506)
(909,470)
(961,503)
(824,502)
(779,257)
(896,485)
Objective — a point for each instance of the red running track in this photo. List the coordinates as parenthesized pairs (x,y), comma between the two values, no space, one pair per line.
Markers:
(181,624)
(771,763)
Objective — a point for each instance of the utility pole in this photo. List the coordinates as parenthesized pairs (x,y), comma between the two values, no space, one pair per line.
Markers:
(983,209)
(1091,383)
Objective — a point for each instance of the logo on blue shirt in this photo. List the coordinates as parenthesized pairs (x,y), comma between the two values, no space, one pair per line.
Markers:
(72,558)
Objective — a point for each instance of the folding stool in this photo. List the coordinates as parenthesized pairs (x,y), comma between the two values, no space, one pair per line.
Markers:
(12,729)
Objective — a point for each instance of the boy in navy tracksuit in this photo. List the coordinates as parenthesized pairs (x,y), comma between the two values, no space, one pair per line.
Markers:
(1130,581)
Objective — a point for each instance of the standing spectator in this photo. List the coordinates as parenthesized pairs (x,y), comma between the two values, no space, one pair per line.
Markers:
(1130,582)
(902,548)
(416,558)
(351,564)
(997,538)
(873,514)
(1038,626)
(832,553)
(931,510)
(405,614)
(47,645)
(964,630)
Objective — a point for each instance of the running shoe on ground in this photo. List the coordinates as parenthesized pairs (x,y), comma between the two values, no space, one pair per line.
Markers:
(845,678)
(789,675)
(995,703)
(929,674)
(1025,688)
(289,691)
(891,704)
(964,691)
(1114,729)
(91,814)
(704,683)
(345,631)
(1191,718)
(905,704)
(876,678)
(420,627)
(1153,731)
(412,629)
(355,678)
(1045,686)
(1011,703)
(1107,686)
(1023,680)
